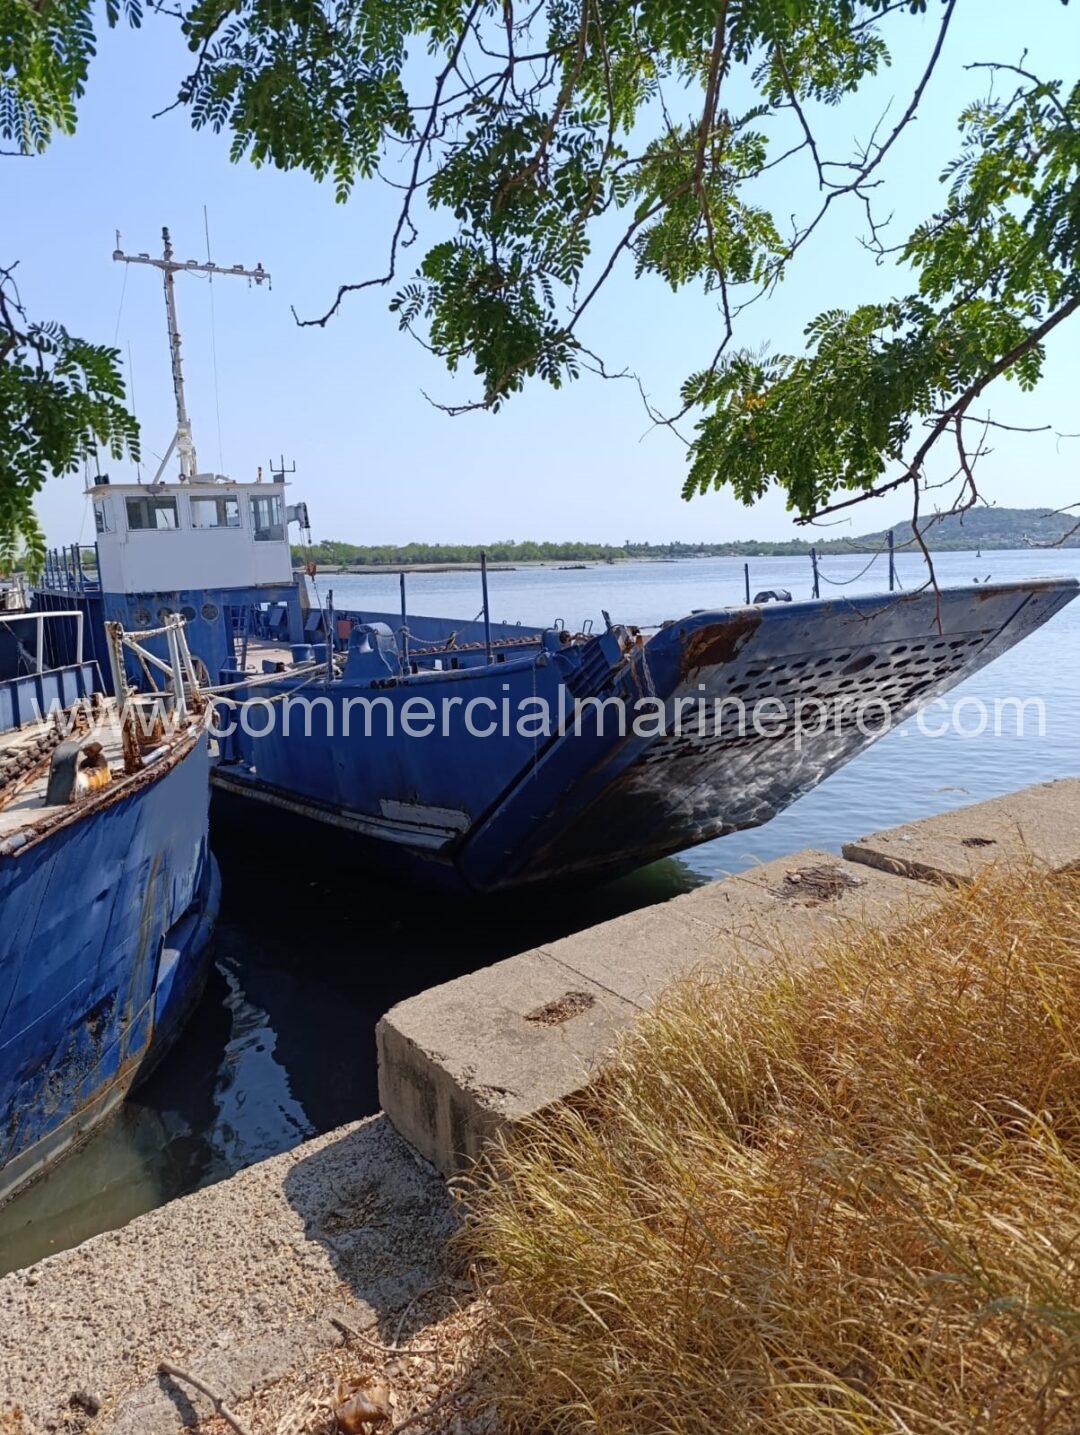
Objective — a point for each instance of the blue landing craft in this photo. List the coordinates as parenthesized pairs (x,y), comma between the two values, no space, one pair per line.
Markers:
(497,804)
(503,805)
(108,891)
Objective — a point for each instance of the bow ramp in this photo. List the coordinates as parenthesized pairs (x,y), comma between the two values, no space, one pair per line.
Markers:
(760,703)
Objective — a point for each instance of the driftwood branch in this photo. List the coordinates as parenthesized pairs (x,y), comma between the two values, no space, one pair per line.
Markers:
(175,1373)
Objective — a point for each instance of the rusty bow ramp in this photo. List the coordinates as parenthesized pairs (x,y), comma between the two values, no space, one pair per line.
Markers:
(759,704)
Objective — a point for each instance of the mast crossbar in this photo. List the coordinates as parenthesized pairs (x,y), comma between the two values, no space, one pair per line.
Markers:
(170,266)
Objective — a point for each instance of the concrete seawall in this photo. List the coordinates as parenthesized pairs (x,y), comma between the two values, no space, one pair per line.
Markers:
(238,1283)
(460,1061)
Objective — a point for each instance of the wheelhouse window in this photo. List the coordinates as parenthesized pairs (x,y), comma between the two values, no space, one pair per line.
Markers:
(215,512)
(103,517)
(152,513)
(268,519)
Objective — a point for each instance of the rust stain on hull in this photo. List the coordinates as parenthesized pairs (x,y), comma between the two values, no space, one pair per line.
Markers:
(718,643)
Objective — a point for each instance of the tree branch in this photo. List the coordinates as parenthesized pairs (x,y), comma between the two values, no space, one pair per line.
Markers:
(404,218)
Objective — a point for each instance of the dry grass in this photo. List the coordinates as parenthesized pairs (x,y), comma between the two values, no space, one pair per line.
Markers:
(839,1201)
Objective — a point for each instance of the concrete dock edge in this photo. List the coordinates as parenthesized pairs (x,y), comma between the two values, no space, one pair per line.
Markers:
(235,1283)
(464,1060)
(1040,824)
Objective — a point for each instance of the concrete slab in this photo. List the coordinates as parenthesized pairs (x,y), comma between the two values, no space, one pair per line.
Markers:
(1040,824)
(462,1060)
(784,905)
(233,1283)
(635,955)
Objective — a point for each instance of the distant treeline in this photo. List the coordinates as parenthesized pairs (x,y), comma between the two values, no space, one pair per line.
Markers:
(336,553)
(987,528)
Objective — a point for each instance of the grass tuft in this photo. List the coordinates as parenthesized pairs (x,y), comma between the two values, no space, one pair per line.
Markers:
(843,1199)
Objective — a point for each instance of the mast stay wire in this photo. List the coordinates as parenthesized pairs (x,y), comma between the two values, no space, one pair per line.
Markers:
(120,309)
(130,359)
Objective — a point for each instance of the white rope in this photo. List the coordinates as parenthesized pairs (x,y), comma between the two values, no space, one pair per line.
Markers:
(262,682)
(649,686)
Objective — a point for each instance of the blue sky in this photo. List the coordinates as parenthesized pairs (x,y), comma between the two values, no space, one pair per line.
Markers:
(375,461)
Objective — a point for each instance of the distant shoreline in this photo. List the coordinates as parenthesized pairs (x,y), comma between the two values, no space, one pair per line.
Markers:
(471,566)
(983,529)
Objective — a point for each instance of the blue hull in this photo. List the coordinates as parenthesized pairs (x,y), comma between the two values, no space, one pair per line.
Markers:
(105,928)
(507,810)
(453,807)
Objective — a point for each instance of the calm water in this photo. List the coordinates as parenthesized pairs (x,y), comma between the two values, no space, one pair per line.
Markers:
(310,952)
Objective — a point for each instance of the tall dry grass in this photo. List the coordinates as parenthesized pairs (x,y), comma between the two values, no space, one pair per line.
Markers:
(843,1200)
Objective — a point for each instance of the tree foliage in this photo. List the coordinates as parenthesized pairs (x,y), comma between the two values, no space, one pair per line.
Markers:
(60,398)
(45,54)
(997,269)
(542,147)
(538,149)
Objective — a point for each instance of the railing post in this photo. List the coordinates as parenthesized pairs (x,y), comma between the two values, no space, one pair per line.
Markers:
(116,661)
(487,611)
(177,669)
(746,577)
(813,565)
(330,624)
(892,562)
(404,626)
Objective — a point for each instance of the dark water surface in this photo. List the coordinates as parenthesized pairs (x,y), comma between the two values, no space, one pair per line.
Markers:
(312,949)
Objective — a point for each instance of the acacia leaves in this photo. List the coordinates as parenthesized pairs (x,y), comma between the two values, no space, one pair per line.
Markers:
(60,398)
(45,53)
(538,149)
(303,84)
(997,269)
(59,395)
(540,146)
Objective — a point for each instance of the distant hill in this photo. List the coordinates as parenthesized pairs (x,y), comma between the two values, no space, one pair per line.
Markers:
(986,528)
(980,528)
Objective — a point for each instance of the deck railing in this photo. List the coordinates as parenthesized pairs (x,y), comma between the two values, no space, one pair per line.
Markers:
(36,623)
(71,568)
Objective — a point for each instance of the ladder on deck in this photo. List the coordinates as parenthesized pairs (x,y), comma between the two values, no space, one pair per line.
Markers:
(241,632)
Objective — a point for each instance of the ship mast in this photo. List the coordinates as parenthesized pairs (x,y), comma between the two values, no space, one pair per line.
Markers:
(182,440)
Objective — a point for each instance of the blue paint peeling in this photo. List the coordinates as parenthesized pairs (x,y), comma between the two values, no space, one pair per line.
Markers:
(104,945)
